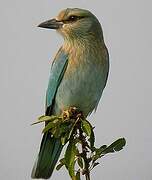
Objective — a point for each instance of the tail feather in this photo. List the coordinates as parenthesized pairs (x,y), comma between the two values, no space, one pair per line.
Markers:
(48,156)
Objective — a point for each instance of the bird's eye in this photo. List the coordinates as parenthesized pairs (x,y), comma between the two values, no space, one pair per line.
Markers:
(73,18)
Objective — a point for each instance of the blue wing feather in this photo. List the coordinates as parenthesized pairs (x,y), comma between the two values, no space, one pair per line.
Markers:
(51,147)
(57,72)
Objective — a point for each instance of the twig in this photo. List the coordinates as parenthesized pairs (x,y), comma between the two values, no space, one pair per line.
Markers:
(74,129)
(84,144)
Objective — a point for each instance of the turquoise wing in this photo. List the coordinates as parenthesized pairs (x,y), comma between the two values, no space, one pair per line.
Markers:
(51,147)
(57,72)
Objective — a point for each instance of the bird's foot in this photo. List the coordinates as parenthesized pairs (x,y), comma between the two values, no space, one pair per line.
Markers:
(72,113)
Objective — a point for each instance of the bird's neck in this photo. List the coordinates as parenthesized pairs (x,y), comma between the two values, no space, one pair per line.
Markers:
(83,42)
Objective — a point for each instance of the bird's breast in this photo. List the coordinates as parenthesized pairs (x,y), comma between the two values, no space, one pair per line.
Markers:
(82,83)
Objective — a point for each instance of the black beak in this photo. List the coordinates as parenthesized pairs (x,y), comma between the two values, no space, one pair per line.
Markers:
(51,24)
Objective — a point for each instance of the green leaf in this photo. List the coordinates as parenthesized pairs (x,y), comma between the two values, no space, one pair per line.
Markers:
(80,162)
(100,150)
(56,132)
(45,119)
(50,125)
(64,127)
(59,167)
(62,161)
(119,144)
(115,146)
(70,155)
(78,175)
(86,127)
(63,140)
(92,140)
(71,169)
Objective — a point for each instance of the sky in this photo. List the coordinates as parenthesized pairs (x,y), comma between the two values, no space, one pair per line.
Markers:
(124,109)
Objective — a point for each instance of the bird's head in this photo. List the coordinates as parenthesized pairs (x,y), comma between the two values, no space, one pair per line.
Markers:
(74,23)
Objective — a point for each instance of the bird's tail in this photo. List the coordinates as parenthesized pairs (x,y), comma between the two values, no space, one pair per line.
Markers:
(48,156)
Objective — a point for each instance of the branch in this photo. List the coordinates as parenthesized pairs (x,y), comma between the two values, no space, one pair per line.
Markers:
(84,145)
(81,156)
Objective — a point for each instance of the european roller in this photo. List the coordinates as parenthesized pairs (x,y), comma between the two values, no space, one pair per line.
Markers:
(78,76)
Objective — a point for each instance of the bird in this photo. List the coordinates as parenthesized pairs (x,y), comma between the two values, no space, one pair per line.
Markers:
(78,76)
